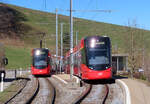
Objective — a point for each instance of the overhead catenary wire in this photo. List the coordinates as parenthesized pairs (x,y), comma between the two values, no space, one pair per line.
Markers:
(88,5)
(96,10)
(44,5)
(81,15)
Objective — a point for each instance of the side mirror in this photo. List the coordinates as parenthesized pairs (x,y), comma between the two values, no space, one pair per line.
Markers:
(5,60)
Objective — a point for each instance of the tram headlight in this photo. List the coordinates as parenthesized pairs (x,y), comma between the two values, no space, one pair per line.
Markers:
(93,42)
(37,52)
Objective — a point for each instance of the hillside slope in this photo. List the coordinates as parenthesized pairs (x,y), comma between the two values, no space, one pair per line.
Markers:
(35,22)
(27,25)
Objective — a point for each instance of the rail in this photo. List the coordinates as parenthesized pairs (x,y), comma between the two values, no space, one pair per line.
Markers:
(16,94)
(106,94)
(37,86)
(83,95)
(53,92)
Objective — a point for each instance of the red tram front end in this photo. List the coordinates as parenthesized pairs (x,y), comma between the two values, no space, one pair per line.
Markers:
(96,58)
(92,59)
(40,62)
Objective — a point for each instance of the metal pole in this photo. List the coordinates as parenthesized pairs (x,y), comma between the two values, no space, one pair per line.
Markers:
(76,37)
(143,58)
(15,74)
(2,82)
(71,41)
(117,64)
(40,43)
(20,71)
(126,63)
(61,61)
(45,40)
(56,38)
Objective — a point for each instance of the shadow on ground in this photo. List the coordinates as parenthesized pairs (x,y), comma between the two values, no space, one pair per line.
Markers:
(119,77)
(23,78)
(105,81)
(13,79)
(9,79)
(101,81)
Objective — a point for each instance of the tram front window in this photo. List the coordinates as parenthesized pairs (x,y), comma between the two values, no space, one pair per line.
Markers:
(98,57)
(98,53)
(40,62)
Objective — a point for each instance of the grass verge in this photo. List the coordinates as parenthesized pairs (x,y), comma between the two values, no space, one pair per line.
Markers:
(18,57)
(13,88)
(9,92)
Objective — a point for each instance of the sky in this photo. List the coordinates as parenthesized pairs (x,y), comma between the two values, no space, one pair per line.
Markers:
(124,12)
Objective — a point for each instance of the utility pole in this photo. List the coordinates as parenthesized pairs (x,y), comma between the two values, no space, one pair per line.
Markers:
(40,43)
(71,34)
(61,61)
(132,52)
(56,38)
(71,42)
(76,37)
(44,37)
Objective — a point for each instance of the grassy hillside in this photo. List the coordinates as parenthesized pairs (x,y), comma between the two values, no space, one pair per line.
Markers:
(18,57)
(32,23)
(45,22)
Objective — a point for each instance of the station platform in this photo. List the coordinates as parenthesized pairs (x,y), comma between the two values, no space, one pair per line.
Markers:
(64,76)
(139,91)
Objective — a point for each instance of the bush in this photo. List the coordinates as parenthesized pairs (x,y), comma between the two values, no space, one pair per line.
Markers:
(139,75)
(143,77)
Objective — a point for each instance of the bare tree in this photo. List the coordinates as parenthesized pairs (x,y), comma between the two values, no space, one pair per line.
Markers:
(133,40)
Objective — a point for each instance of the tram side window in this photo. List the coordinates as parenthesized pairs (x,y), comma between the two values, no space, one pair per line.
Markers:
(68,60)
(74,58)
(32,61)
(79,58)
(83,58)
(50,61)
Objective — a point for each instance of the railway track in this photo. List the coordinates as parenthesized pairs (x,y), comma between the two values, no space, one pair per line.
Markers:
(106,94)
(53,92)
(94,94)
(35,92)
(46,93)
(25,93)
(83,95)
(38,91)
(19,91)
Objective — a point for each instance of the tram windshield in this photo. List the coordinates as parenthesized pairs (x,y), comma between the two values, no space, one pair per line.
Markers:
(40,60)
(98,54)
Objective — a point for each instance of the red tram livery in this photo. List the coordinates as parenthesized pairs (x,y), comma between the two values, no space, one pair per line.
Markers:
(92,58)
(41,61)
